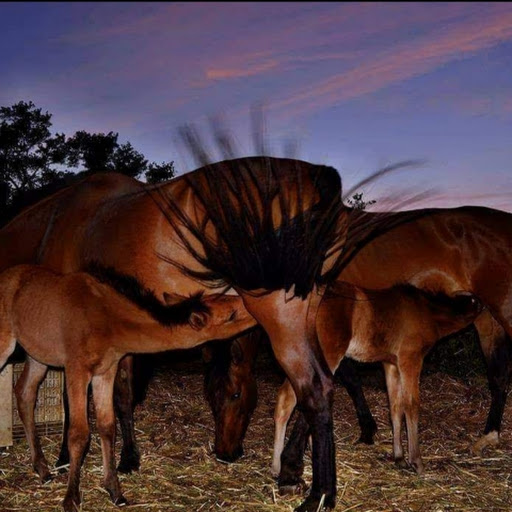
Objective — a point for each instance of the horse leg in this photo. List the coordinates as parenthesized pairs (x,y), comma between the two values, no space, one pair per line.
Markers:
(396,410)
(103,389)
(26,397)
(285,404)
(497,349)
(351,380)
(290,325)
(63,459)
(123,402)
(77,383)
(409,371)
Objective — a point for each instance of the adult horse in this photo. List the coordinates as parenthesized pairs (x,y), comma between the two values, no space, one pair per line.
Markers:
(441,250)
(272,228)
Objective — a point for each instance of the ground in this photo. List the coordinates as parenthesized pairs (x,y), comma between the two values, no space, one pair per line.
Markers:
(179,472)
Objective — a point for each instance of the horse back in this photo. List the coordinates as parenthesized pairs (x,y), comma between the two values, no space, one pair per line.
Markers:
(445,250)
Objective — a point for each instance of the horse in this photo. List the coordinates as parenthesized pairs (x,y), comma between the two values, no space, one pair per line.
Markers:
(396,326)
(438,250)
(86,324)
(269,228)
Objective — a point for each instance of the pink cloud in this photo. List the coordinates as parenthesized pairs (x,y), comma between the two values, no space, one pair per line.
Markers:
(406,61)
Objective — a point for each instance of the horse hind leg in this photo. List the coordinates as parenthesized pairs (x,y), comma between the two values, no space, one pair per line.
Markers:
(497,348)
(285,404)
(26,396)
(123,403)
(295,344)
(396,410)
(410,370)
(352,382)
(103,387)
(77,383)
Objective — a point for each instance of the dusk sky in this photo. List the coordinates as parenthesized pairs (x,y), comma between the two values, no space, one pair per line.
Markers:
(356,85)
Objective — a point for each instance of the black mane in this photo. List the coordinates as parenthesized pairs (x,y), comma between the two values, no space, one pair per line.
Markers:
(131,288)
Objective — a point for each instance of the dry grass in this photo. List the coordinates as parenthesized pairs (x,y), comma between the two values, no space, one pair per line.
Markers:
(179,473)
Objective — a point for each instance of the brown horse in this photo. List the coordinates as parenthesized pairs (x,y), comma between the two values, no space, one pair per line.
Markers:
(270,227)
(84,325)
(396,326)
(446,250)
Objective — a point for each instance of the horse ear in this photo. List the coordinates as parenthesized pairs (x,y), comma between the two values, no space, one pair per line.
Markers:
(197,320)
(207,353)
(237,354)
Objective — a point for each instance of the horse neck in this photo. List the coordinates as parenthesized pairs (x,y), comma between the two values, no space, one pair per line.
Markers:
(146,335)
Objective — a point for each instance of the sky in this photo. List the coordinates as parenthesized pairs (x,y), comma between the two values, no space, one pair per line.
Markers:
(354,85)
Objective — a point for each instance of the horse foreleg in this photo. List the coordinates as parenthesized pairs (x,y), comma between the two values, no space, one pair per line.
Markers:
(285,404)
(497,349)
(410,370)
(290,325)
(77,382)
(396,410)
(26,396)
(123,402)
(103,389)
(351,380)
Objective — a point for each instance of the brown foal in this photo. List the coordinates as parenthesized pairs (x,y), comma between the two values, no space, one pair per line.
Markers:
(83,324)
(397,326)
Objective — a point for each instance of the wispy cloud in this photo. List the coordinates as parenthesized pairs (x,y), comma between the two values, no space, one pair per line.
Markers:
(405,61)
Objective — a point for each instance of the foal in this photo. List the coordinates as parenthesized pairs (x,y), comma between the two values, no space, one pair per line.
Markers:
(397,326)
(83,324)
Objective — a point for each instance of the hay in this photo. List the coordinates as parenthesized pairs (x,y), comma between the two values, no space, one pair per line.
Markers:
(179,472)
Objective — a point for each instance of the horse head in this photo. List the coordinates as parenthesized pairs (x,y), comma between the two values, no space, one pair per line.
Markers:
(230,389)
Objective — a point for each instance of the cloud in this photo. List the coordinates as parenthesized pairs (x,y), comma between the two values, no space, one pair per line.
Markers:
(452,42)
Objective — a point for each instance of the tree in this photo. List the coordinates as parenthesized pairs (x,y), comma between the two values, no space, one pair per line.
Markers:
(99,152)
(35,163)
(358,203)
(27,149)
(157,173)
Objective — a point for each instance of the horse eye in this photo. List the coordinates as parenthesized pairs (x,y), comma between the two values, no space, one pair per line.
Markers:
(236,396)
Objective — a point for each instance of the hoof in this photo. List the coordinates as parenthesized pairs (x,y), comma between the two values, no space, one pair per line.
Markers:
(46,478)
(129,464)
(418,466)
(44,473)
(71,504)
(490,439)
(292,489)
(121,501)
(63,460)
(312,504)
(401,463)
(366,439)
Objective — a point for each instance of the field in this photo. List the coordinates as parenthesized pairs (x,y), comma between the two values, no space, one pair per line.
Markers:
(179,472)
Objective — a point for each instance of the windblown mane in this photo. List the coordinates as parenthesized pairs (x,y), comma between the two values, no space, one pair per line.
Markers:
(242,197)
(131,288)
(248,251)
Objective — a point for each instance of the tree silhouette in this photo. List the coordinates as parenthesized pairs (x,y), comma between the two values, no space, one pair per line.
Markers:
(358,203)
(35,163)
(27,149)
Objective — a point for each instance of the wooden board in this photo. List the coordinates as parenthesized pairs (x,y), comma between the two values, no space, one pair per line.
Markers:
(6,406)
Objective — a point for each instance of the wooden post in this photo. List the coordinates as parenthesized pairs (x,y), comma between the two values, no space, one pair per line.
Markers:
(6,406)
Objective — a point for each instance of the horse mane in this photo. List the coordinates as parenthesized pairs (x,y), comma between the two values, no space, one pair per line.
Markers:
(131,288)
(239,195)
(241,198)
